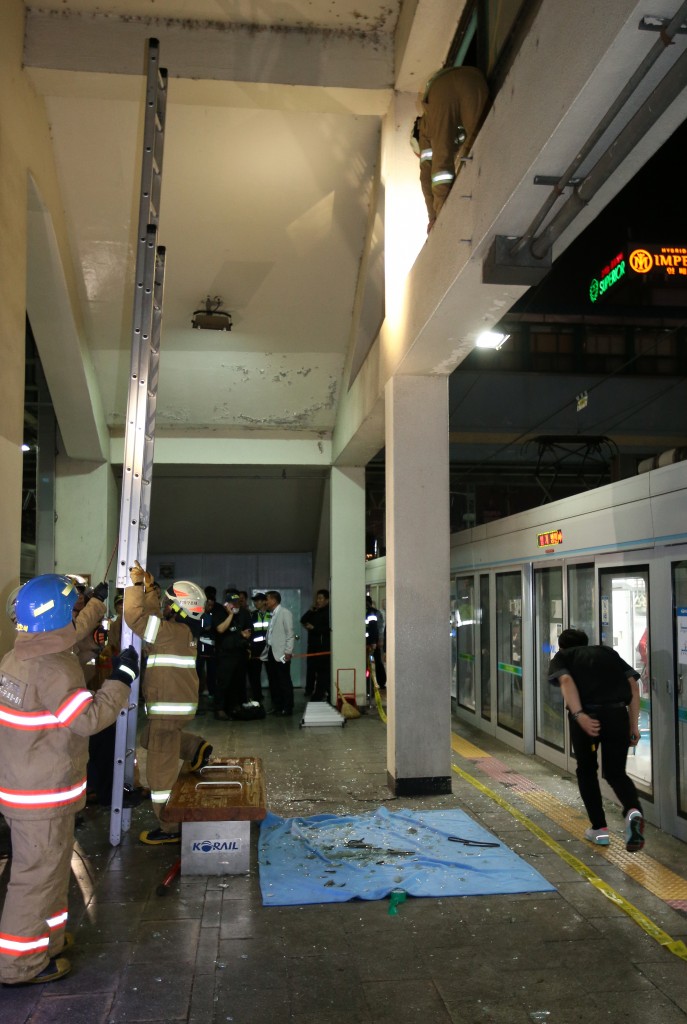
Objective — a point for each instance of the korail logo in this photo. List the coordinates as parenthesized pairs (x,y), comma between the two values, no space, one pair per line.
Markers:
(215,846)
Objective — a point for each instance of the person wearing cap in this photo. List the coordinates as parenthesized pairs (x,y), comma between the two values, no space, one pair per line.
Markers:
(452,105)
(170,687)
(46,717)
(233,642)
(260,621)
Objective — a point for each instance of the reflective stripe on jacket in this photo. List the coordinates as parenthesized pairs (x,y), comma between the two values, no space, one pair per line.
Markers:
(46,717)
(170,682)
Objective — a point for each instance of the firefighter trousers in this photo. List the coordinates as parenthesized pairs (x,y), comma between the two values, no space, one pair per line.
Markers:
(167,744)
(34,916)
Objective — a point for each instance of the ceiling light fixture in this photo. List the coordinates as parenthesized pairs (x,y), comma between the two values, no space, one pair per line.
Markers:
(491,339)
(212,318)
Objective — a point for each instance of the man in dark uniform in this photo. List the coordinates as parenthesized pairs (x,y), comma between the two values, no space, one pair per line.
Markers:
(317,672)
(233,641)
(601,694)
(261,621)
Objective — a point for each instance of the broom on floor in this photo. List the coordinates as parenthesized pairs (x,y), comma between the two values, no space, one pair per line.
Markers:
(346,710)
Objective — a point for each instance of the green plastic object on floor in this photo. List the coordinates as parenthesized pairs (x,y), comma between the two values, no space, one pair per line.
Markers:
(397,896)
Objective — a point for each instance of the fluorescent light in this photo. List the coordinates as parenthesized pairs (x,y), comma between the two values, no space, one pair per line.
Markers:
(491,339)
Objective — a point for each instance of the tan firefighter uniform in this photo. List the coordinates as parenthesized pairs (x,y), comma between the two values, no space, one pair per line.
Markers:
(453,98)
(46,717)
(170,691)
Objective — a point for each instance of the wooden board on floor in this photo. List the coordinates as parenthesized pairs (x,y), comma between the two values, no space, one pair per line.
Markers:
(208,796)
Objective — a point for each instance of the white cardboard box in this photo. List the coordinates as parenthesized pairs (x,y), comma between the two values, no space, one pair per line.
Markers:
(215,847)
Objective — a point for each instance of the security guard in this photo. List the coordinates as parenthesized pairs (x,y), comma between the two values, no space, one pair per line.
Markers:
(452,104)
(46,717)
(261,621)
(170,686)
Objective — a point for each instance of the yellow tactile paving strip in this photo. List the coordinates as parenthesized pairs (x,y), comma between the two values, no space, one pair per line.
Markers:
(653,876)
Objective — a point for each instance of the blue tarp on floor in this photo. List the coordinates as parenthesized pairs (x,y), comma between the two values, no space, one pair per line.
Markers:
(331,859)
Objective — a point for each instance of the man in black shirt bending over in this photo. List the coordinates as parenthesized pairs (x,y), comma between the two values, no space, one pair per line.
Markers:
(601,694)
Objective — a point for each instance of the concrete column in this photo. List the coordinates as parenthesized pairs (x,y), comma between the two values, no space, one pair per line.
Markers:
(347,497)
(87,518)
(418,566)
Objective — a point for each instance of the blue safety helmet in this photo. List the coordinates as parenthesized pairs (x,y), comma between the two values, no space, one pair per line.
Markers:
(45,603)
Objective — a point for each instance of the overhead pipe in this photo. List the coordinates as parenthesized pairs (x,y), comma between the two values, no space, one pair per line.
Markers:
(665,39)
(665,93)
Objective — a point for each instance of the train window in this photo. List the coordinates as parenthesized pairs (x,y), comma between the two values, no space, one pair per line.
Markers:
(548,625)
(509,651)
(485,647)
(624,615)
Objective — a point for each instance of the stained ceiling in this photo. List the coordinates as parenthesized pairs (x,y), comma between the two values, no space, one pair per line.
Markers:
(270,169)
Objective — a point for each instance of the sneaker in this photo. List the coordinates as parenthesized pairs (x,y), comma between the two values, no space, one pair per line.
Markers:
(158,837)
(599,836)
(201,756)
(56,968)
(634,831)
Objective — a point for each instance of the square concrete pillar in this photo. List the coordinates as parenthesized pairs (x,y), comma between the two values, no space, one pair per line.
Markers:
(348,580)
(418,568)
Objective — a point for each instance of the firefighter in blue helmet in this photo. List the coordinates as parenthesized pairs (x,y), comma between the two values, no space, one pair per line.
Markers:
(170,686)
(46,717)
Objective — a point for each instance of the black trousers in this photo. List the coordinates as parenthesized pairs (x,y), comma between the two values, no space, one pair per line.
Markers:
(281,687)
(255,678)
(614,740)
(231,680)
(317,675)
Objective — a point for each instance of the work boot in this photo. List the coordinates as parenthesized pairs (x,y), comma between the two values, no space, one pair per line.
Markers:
(201,756)
(158,837)
(55,969)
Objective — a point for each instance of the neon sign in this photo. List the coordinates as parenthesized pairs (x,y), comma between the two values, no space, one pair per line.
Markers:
(549,539)
(670,259)
(610,275)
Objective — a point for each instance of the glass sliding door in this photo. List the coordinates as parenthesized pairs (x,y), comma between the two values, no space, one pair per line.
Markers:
(548,625)
(679,572)
(581,614)
(466,628)
(485,646)
(509,651)
(624,626)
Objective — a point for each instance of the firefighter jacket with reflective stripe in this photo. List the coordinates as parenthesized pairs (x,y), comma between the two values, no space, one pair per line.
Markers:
(46,717)
(170,681)
(452,107)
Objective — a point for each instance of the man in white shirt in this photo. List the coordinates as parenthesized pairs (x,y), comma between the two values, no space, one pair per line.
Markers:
(278,654)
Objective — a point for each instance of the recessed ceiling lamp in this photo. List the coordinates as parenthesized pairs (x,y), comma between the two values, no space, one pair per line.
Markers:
(212,318)
(491,339)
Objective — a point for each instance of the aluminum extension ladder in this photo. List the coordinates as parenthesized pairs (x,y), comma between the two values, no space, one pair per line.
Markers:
(139,439)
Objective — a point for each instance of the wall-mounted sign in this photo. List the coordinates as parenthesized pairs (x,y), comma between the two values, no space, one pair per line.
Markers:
(664,263)
(610,275)
(667,261)
(549,539)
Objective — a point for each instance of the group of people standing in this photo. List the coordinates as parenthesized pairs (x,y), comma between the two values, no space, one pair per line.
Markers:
(235,643)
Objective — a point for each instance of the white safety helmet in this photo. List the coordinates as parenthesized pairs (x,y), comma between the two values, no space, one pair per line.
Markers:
(186,597)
